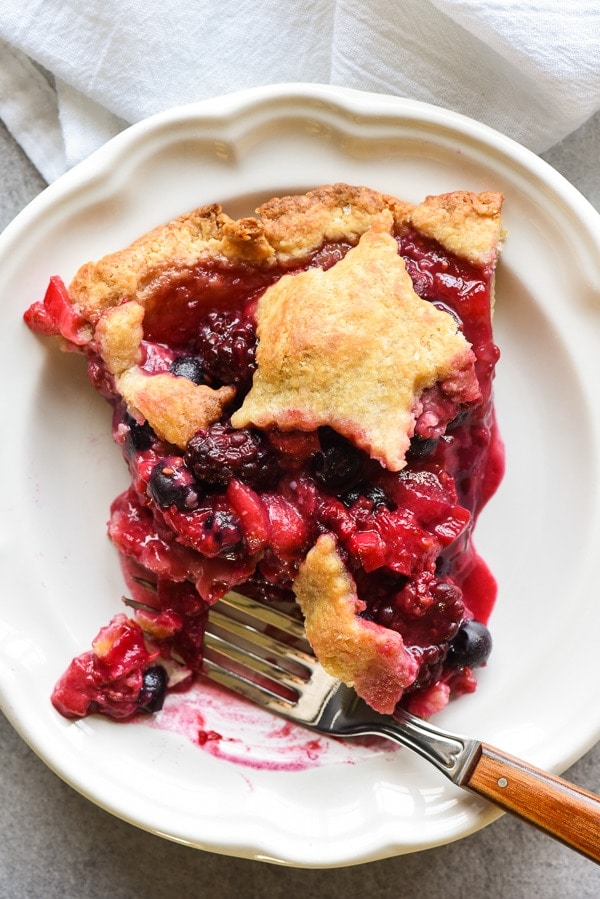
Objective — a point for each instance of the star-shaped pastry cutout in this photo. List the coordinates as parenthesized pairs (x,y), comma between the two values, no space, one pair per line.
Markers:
(353,347)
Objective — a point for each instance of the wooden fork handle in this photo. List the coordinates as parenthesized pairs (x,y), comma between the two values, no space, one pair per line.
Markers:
(564,811)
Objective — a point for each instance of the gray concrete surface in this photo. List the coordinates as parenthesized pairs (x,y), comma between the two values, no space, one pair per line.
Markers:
(57,845)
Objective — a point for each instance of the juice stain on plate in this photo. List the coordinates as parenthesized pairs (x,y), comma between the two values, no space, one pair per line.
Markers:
(233,729)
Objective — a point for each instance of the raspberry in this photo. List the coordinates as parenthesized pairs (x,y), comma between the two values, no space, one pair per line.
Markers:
(429,614)
(221,453)
(212,530)
(431,665)
(226,344)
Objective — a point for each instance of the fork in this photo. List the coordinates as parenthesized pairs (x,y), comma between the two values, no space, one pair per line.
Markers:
(261,652)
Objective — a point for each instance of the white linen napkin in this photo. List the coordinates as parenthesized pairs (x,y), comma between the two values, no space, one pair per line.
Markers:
(528,69)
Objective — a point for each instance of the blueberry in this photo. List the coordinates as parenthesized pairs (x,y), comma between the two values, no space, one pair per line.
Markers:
(188,367)
(337,465)
(223,532)
(461,418)
(171,484)
(163,487)
(154,688)
(374,494)
(470,647)
(421,447)
(140,436)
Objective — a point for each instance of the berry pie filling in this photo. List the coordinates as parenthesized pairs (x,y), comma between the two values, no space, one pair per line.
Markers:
(305,419)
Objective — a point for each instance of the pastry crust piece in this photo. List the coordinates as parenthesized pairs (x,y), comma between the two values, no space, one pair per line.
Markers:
(176,408)
(361,653)
(119,334)
(467,224)
(353,348)
(284,229)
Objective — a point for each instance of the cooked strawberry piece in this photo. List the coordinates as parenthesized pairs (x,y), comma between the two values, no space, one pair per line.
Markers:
(215,528)
(253,515)
(55,315)
(108,680)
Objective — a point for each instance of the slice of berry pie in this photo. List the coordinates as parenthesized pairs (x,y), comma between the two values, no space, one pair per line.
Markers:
(304,401)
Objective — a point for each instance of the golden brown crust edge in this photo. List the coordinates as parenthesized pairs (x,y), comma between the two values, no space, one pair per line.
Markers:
(467,224)
(286,228)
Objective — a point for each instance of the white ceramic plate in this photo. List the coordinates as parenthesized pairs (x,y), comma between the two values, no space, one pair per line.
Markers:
(61,582)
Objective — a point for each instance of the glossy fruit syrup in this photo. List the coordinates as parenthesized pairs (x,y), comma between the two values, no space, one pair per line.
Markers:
(241,507)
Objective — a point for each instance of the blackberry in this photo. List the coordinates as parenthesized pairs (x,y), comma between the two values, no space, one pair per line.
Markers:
(338,464)
(221,453)
(226,344)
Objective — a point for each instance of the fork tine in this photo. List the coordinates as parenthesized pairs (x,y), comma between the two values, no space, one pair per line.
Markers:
(244,682)
(261,615)
(243,654)
(262,653)
(254,649)
(226,669)
(265,631)
(301,705)
(257,643)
